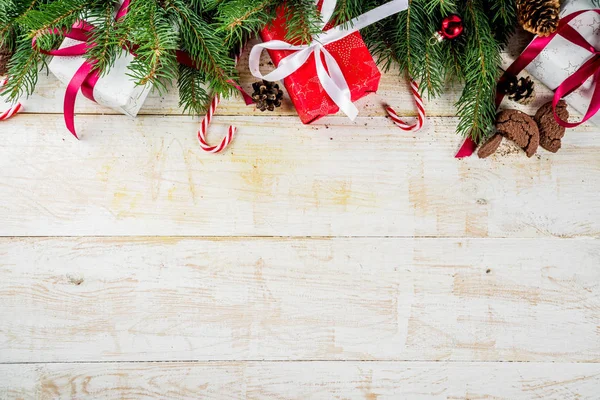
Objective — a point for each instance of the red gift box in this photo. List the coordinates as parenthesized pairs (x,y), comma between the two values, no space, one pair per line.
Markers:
(303,86)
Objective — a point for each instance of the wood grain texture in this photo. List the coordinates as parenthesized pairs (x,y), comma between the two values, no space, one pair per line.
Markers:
(149,177)
(173,299)
(302,381)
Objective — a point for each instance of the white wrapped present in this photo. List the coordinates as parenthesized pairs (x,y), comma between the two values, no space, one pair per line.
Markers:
(114,89)
(562,58)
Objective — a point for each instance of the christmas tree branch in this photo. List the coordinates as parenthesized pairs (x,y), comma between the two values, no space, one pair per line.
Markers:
(23,71)
(476,107)
(303,20)
(503,14)
(146,26)
(54,15)
(240,19)
(11,13)
(205,47)
(103,42)
(193,97)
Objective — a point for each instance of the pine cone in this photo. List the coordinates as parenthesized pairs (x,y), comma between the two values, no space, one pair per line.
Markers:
(267,95)
(521,90)
(5,56)
(540,17)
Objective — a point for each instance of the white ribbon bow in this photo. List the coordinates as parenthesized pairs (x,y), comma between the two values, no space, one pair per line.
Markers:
(330,75)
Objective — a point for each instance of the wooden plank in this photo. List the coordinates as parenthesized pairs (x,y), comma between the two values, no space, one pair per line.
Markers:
(149,177)
(174,299)
(311,380)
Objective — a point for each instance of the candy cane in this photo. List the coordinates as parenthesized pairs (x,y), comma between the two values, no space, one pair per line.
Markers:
(14,109)
(204,128)
(211,111)
(420,107)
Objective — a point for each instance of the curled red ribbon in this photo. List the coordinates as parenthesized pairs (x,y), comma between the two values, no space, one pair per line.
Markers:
(86,77)
(591,68)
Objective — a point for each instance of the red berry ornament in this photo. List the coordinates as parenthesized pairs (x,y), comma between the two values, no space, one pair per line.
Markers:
(452,27)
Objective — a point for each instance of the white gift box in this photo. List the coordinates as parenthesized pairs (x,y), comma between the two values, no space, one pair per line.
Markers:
(114,89)
(561,58)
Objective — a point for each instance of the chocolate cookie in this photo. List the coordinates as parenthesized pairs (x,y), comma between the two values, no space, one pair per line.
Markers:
(520,128)
(490,146)
(552,145)
(551,132)
(534,144)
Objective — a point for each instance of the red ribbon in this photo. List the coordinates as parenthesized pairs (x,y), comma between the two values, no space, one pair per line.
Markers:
(590,68)
(86,77)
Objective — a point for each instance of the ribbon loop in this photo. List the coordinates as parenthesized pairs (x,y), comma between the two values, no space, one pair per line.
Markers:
(334,83)
(574,82)
(287,66)
(330,74)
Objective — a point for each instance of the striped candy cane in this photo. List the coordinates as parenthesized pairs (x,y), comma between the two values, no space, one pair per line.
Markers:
(211,111)
(14,109)
(204,128)
(420,107)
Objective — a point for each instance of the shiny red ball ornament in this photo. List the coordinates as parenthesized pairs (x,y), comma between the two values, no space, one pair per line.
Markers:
(452,27)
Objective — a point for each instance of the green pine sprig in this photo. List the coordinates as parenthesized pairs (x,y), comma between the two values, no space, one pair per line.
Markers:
(481,56)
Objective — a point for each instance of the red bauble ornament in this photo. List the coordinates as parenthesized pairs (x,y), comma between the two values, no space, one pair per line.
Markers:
(452,27)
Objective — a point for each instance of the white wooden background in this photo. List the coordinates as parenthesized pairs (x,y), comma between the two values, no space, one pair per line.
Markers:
(339,260)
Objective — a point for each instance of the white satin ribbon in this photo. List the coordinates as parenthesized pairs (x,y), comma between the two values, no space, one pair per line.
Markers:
(330,74)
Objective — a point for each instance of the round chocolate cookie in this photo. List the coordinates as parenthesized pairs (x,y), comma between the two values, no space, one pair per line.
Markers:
(534,144)
(551,132)
(490,146)
(520,128)
(552,145)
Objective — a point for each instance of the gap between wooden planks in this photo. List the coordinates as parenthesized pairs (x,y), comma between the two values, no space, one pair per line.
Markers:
(177,299)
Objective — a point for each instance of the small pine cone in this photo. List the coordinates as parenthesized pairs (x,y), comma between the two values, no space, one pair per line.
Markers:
(267,95)
(540,17)
(521,90)
(5,56)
